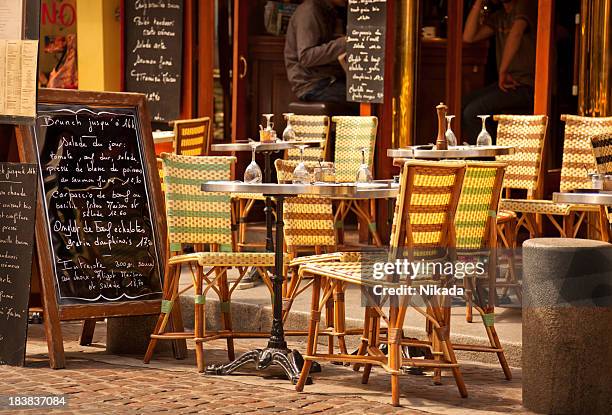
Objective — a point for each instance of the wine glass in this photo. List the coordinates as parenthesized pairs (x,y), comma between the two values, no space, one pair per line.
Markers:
(484,138)
(451,139)
(300,173)
(253,174)
(289,134)
(364,175)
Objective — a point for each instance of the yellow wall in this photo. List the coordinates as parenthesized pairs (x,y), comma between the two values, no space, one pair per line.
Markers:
(99,45)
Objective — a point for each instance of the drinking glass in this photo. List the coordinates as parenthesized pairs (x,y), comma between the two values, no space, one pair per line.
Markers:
(289,134)
(364,175)
(484,138)
(300,173)
(253,174)
(451,138)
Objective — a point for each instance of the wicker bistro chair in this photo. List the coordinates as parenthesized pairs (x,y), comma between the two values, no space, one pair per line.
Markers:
(527,134)
(423,223)
(476,235)
(192,137)
(201,219)
(352,135)
(578,159)
(306,127)
(310,127)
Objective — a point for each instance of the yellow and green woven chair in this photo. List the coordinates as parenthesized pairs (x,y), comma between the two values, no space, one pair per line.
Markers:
(578,159)
(423,223)
(192,137)
(202,220)
(354,133)
(309,127)
(476,233)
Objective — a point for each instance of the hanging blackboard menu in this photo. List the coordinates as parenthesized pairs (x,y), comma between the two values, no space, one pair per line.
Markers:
(365,54)
(17,217)
(153,54)
(105,246)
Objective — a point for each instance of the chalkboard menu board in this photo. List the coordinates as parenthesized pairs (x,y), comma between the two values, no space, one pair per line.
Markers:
(153,54)
(105,246)
(365,44)
(17,218)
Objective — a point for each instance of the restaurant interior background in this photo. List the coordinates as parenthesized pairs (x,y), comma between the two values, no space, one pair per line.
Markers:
(233,68)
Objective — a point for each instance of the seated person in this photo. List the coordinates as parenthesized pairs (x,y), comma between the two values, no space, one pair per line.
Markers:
(312,52)
(515,28)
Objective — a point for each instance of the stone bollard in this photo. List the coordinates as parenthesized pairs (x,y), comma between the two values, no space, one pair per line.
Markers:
(567,326)
(130,335)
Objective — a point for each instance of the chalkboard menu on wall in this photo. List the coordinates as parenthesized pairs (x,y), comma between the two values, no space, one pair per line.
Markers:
(17,217)
(105,246)
(365,44)
(153,54)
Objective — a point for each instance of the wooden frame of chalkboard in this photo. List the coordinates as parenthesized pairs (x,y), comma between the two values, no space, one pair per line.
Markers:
(53,309)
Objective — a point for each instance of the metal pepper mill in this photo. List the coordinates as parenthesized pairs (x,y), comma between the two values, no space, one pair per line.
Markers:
(441,143)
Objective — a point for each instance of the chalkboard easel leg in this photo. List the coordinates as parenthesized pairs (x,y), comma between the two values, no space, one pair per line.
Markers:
(89,326)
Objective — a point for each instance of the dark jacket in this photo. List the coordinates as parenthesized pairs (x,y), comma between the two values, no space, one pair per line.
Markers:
(311,48)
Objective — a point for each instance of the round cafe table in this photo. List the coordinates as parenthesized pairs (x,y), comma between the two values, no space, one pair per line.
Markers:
(456,152)
(267,149)
(277,352)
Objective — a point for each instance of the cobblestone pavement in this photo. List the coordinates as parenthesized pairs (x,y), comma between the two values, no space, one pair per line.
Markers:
(99,383)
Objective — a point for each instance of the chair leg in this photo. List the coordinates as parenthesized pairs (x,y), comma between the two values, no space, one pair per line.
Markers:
(315,316)
(329,323)
(226,314)
(449,354)
(467,284)
(170,286)
(494,339)
(365,337)
(199,323)
(339,317)
(395,358)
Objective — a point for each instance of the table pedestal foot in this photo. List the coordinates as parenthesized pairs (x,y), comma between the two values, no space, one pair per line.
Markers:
(291,361)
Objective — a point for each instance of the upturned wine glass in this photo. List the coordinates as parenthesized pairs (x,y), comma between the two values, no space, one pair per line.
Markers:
(289,133)
(364,175)
(484,138)
(451,138)
(253,174)
(300,173)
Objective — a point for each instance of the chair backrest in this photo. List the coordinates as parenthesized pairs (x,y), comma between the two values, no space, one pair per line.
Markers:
(477,210)
(602,150)
(527,134)
(353,134)
(309,127)
(425,208)
(309,221)
(192,137)
(578,155)
(194,216)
